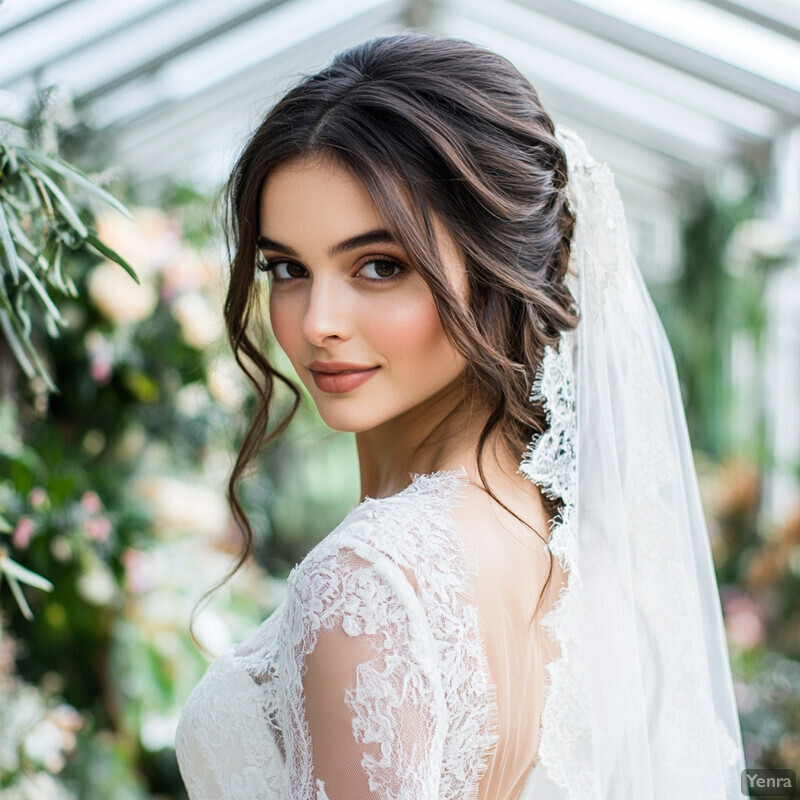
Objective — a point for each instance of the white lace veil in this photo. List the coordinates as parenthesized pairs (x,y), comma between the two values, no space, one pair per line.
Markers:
(640,702)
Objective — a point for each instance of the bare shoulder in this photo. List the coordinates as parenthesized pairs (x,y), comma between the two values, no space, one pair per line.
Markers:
(494,527)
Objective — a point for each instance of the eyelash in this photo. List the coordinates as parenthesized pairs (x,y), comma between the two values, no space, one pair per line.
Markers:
(268,265)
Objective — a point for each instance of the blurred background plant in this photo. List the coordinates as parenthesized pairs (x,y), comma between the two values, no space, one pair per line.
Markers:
(38,223)
(716,304)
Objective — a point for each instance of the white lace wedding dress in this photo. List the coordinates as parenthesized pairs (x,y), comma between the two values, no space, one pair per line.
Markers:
(395,669)
(385,673)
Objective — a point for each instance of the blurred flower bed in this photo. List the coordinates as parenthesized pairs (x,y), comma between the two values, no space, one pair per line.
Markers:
(114,490)
(731,251)
(759,577)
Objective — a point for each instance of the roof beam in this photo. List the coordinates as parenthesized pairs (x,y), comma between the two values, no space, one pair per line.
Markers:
(775,15)
(233,53)
(66,29)
(745,120)
(201,131)
(662,125)
(650,44)
(14,15)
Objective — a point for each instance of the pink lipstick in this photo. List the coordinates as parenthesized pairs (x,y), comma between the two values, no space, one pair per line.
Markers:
(338,382)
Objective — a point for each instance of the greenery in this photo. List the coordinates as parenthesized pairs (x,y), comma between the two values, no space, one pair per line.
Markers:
(729,254)
(39,222)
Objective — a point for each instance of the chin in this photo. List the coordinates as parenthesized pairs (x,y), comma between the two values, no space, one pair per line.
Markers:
(346,423)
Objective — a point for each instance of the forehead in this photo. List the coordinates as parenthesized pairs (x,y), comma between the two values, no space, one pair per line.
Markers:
(314,187)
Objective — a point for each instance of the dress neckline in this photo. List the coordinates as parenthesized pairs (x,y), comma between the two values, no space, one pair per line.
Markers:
(420,481)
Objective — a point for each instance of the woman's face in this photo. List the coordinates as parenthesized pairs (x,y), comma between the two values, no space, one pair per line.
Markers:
(333,298)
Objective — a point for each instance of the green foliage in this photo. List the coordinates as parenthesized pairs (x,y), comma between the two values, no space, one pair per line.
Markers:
(759,576)
(728,255)
(40,221)
(698,314)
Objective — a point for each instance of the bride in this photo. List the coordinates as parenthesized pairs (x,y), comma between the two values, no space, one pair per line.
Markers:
(523,603)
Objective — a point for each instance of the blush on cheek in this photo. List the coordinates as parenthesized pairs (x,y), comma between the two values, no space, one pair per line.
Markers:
(406,325)
(413,338)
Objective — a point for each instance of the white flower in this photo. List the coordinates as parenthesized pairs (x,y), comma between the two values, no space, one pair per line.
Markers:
(132,443)
(118,297)
(755,240)
(147,242)
(40,786)
(213,631)
(178,506)
(200,324)
(61,549)
(192,400)
(43,745)
(157,731)
(225,382)
(97,584)
(187,270)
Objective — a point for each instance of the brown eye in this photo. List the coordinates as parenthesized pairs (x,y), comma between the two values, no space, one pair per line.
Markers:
(382,266)
(274,266)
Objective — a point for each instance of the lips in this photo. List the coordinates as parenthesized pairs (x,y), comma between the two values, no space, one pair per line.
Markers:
(344,381)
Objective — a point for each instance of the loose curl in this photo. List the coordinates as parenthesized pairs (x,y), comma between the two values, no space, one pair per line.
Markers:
(430,125)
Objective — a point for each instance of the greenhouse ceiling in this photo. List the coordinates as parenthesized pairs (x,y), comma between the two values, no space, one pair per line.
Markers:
(664,90)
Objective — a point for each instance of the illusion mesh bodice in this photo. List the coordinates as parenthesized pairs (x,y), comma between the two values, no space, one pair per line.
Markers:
(389,671)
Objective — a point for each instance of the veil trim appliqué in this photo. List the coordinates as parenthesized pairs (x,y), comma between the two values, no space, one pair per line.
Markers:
(551,462)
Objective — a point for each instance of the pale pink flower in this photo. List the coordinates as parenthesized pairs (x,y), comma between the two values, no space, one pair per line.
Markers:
(67,718)
(91,503)
(101,356)
(115,294)
(188,270)
(37,497)
(743,620)
(137,577)
(97,528)
(23,533)
(100,371)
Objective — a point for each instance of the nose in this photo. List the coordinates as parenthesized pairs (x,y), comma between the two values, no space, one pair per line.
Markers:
(327,313)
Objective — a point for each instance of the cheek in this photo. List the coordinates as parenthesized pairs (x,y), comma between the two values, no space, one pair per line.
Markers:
(285,325)
(411,334)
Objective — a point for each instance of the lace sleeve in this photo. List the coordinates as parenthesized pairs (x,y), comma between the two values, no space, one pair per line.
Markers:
(367,715)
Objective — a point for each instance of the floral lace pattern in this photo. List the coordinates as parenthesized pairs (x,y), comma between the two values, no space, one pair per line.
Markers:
(243,733)
(551,463)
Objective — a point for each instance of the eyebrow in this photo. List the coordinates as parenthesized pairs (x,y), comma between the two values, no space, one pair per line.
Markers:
(377,236)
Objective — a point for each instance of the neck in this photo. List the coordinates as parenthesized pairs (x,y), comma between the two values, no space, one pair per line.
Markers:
(440,433)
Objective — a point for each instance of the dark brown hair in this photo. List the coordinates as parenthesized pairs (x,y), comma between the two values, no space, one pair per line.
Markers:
(431,125)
